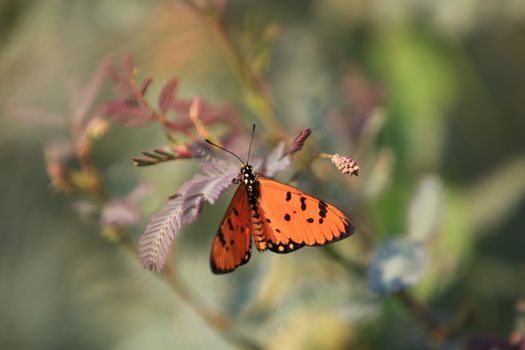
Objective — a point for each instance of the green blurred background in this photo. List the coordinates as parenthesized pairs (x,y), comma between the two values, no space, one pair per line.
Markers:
(447,78)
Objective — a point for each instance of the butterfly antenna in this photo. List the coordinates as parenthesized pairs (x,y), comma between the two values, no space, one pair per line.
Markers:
(251,140)
(224,149)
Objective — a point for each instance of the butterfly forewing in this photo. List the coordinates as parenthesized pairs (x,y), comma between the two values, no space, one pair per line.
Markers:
(232,244)
(292,218)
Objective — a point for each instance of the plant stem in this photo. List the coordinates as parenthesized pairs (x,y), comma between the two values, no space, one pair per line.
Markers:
(421,313)
(418,310)
(217,321)
(242,69)
(437,333)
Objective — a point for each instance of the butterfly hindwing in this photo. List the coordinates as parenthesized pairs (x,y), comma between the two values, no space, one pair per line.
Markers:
(292,218)
(232,244)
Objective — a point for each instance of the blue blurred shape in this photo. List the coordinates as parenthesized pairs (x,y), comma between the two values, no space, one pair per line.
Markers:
(397,264)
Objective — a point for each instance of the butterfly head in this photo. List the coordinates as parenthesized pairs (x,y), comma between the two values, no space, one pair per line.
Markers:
(246,169)
(250,182)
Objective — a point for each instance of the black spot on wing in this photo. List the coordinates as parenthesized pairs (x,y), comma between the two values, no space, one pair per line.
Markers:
(235,211)
(269,221)
(348,230)
(303,203)
(310,220)
(230,226)
(287,217)
(288,196)
(322,209)
(218,270)
(220,235)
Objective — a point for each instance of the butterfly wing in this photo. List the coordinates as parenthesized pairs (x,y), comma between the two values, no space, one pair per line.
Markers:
(232,244)
(292,218)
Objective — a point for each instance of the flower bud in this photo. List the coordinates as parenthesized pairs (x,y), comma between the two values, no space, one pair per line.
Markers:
(346,165)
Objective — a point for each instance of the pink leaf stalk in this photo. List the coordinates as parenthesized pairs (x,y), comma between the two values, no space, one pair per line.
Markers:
(166,95)
(145,85)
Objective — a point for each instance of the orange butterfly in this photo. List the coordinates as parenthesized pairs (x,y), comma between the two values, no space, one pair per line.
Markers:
(279,217)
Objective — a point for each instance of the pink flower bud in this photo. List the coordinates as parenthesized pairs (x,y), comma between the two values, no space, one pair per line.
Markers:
(298,142)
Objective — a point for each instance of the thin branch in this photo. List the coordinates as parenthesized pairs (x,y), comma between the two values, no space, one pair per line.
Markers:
(422,313)
(436,332)
(215,320)
(242,69)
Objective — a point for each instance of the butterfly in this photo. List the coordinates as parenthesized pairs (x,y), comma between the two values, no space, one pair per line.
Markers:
(278,217)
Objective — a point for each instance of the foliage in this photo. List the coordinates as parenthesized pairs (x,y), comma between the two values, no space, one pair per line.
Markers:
(419,230)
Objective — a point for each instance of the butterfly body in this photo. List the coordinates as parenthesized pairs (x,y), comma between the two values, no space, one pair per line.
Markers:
(279,217)
(251,186)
